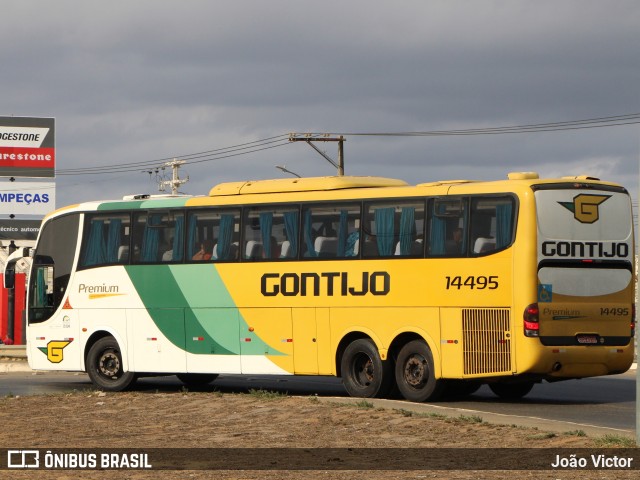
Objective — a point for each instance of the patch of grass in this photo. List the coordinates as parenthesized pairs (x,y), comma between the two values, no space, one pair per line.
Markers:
(613,441)
(410,413)
(576,433)
(405,413)
(468,419)
(542,436)
(364,404)
(439,416)
(314,399)
(266,394)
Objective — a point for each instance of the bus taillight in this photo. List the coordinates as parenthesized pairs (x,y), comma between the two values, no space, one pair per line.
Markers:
(532,321)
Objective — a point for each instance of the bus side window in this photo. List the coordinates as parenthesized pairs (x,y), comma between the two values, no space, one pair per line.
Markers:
(394,229)
(331,231)
(217,230)
(491,224)
(447,227)
(105,240)
(271,233)
(154,236)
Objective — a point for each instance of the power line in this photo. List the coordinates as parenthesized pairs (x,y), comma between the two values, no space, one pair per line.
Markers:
(600,122)
(209,155)
(281,140)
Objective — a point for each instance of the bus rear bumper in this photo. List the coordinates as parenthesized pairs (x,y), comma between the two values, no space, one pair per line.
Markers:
(579,362)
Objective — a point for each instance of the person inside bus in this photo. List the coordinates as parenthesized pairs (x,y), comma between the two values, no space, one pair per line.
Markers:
(454,246)
(206,249)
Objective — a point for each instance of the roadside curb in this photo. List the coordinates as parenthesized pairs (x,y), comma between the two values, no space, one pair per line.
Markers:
(537,423)
(13,366)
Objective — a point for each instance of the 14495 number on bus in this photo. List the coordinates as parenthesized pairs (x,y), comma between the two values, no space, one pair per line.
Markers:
(472,282)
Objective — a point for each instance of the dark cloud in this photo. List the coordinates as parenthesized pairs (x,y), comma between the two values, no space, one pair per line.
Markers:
(146,80)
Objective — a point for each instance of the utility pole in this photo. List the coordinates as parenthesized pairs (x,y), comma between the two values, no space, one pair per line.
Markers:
(175,181)
(296,137)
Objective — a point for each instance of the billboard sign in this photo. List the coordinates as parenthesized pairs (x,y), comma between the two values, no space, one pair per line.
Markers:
(27,198)
(27,147)
(19,230)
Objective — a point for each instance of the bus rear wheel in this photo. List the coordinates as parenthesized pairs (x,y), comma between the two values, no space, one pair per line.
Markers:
(105,367)
(511,391)
(415,375)
(364,373)
(197,379)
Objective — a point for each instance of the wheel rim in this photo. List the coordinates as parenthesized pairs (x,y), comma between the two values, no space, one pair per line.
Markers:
(416,371)
(362,370)
(109,364)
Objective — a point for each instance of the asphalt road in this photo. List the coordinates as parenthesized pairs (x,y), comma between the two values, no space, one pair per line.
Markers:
(607,402)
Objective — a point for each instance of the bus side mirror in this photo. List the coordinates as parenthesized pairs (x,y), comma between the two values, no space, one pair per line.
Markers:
(10,267)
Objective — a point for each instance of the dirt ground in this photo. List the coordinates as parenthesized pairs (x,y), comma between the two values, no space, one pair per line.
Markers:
(259,419)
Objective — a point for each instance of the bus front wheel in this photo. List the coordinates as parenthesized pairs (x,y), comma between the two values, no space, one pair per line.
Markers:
(105,367)
(364,373)
(415,375)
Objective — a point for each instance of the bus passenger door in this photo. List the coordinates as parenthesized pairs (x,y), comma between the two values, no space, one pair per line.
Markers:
(266,340)
(305,345)
(311,341)
(213,340)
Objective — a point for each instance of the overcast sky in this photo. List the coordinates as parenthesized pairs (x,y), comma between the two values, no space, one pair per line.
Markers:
(133,81)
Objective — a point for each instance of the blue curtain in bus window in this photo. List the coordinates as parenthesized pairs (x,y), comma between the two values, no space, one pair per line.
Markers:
(308,235)
(437,234)
(343,231)
(225,235)
(113,240)
(41,288)
(385,230)
(95,253)
(352,241)
(178,239)
(266,225)
(291,228)
(407,229)
(503,225)
(465,217)
(191,236)
(151,239)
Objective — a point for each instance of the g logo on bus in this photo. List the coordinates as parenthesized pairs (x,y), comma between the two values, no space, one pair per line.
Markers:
(54,350)
(585,207)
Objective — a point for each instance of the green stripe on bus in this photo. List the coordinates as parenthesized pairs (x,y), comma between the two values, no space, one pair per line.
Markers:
(185,309)
(144,204)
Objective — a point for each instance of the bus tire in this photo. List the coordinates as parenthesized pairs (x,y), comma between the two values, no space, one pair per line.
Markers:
(415,374)
(196,379)
(511,391)
(105,367)
(364,373)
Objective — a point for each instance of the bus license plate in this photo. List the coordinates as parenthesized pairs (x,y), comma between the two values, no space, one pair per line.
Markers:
(587,339)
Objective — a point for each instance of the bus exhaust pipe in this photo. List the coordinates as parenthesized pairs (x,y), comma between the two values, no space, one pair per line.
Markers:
(556,367)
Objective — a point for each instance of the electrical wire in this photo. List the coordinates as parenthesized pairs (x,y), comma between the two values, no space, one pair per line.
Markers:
(600,122)
(283,139)
(219,153)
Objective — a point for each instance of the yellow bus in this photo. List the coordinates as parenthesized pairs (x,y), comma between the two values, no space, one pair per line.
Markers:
(397,289)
